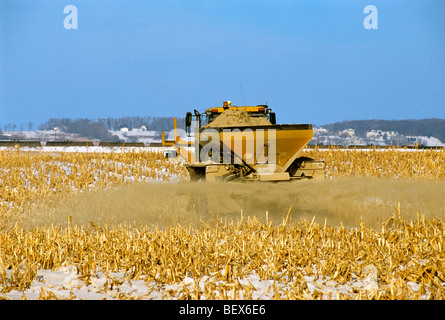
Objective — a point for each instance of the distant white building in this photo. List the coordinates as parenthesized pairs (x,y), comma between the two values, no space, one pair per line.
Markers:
(426,141)
(320,131)
(347,132)
(141,129)
(373,134)
(391,134)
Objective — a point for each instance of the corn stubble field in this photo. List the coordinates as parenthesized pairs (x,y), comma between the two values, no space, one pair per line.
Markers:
(128,225)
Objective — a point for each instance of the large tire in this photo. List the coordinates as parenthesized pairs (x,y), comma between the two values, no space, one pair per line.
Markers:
(296,165)
(232,178)
(196,173)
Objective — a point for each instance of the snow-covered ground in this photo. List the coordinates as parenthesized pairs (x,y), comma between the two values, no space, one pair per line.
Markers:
(65,283)
(52,135)
(89,149)
(42,135)
(138,136)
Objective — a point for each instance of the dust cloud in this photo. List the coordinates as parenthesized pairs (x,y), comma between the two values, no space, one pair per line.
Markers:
(345,200)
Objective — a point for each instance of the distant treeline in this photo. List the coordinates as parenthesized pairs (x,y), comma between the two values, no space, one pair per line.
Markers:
(99,129)
(151,123)
(424,127)
(84,127)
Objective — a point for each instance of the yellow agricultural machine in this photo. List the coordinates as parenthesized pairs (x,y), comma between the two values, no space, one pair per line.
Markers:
(242,143)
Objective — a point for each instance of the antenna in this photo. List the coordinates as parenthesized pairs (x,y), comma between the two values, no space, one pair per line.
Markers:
(244,102)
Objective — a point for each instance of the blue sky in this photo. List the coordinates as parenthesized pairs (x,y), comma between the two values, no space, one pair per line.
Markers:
(312,61)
